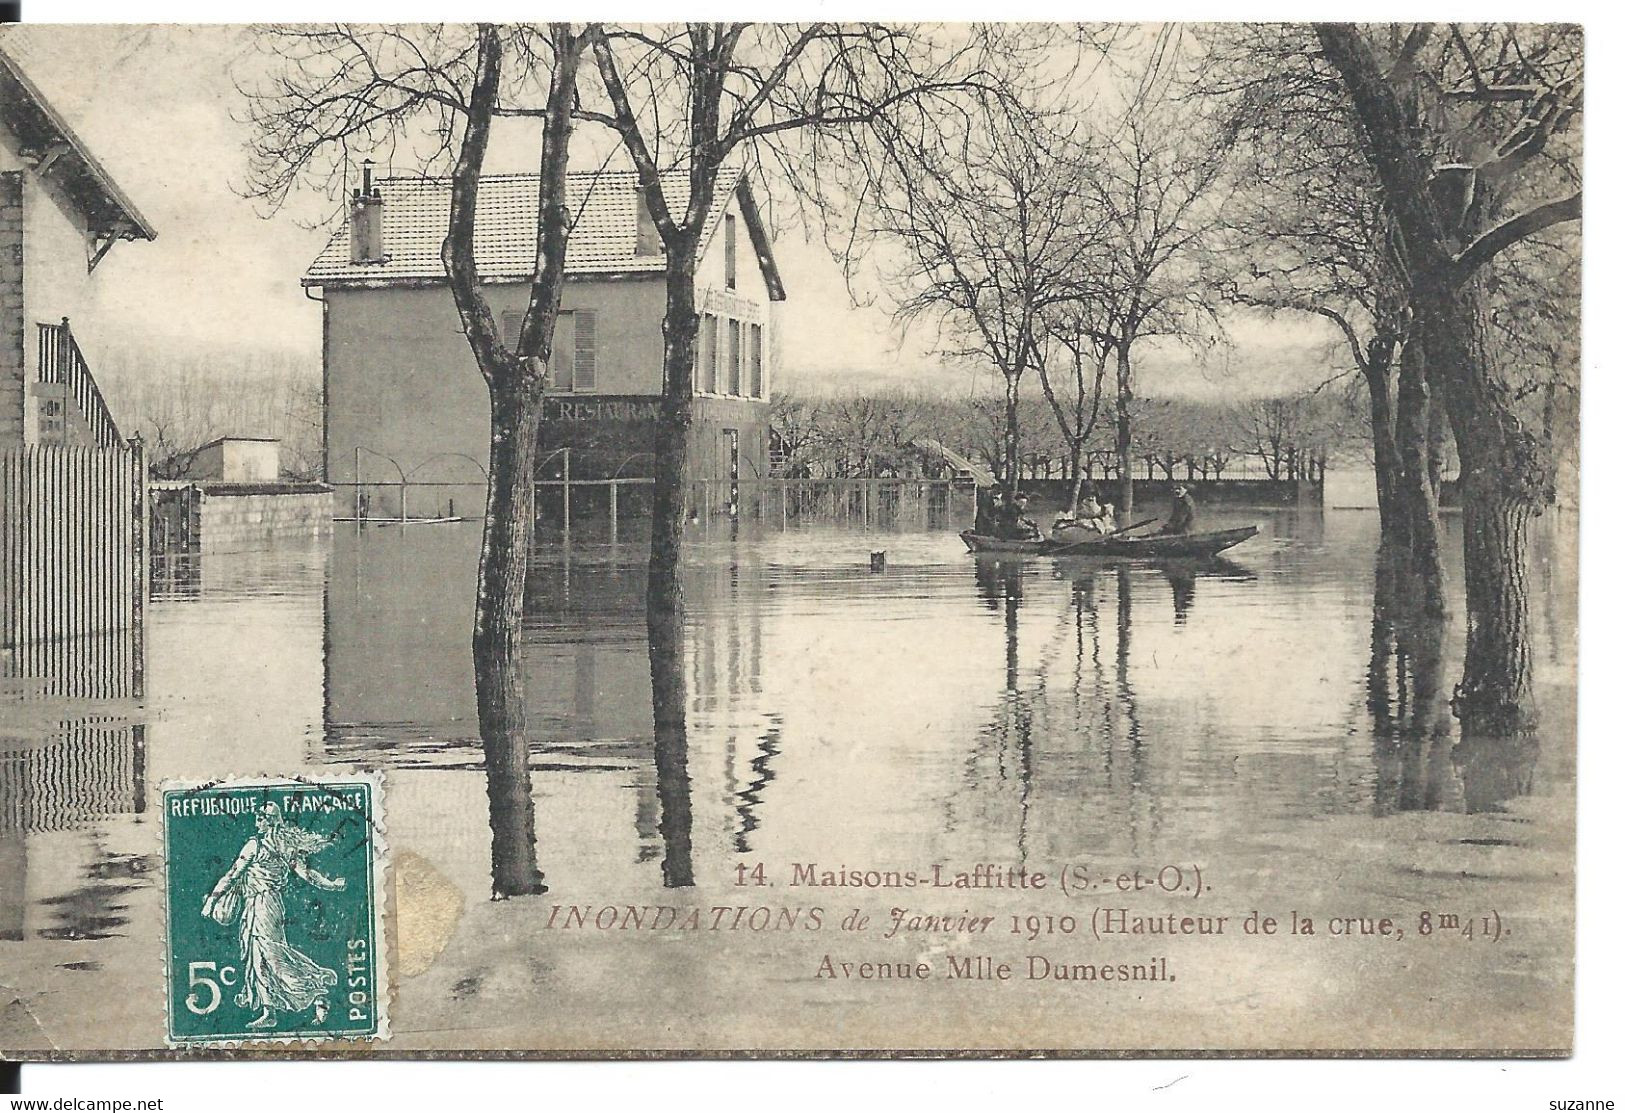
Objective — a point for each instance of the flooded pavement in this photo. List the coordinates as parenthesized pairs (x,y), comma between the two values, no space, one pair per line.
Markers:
(1091,721)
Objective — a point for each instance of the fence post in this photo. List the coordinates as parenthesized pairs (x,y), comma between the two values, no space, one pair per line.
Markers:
(614,511)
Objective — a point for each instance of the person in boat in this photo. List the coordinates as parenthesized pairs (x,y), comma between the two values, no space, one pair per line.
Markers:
(1182,519)
(1015,525)
(1095,515)
(988,512)
(1091,519)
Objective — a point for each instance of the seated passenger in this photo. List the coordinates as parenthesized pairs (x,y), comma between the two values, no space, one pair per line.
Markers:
(1014,525)
(1091,515)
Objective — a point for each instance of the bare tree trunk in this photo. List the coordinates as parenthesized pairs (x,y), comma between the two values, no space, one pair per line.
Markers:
(515,381)
(498,679)
(1418,498)
(1077,480)
(680,327)
(664,598)
(1125,443)
(1506,479)
(1496,695)
(1012,435)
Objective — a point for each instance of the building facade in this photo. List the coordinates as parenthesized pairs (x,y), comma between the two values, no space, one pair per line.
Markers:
(60,213)
(407,413)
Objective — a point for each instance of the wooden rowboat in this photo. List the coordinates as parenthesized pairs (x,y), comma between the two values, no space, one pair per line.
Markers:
(1156,546)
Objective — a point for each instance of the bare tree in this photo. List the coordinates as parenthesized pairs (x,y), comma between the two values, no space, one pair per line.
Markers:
(995,238)
(1290,436)
(798,430)
(1070,338)
(436,90)
(1159,164)
(1309,232)
(700,96)
(1471,133)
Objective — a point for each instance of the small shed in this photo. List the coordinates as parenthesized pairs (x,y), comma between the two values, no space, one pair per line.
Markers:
(238,460)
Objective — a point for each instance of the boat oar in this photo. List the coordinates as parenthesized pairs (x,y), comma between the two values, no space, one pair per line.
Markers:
(1102,537)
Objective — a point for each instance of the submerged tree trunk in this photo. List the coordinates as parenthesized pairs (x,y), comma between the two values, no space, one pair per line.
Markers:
(1384,447)
(664,597)
(1077,481)
(1012,435)
(670,509)
(670,692)
(515,381)
(1506,479)
(1125,443)
(1506,473)
(498,679)
(1418,498)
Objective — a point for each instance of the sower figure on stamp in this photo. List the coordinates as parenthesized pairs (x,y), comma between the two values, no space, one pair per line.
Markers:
(276,976)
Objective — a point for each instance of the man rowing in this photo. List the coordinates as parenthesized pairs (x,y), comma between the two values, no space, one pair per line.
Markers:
(1182,518)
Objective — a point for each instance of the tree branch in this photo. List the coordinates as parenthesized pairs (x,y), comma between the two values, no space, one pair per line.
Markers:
(1509,232)
(457,250)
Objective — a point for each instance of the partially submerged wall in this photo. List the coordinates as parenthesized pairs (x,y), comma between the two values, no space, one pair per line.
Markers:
(223,518)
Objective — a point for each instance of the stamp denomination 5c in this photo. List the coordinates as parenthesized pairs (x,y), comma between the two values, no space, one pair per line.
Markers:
(272,901)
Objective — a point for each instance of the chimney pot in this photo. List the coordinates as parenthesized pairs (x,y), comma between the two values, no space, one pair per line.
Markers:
(367,221)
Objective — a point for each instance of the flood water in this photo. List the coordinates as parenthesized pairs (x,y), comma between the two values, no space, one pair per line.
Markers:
(1218,715)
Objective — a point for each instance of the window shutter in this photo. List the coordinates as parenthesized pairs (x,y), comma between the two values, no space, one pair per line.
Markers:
(756,361)
(734,357)
(512,321)
(705,378)
(586,349)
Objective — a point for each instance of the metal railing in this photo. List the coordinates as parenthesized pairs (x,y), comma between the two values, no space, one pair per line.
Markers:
(61,361)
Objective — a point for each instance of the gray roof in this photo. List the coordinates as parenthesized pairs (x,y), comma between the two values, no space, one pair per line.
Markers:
(417,210)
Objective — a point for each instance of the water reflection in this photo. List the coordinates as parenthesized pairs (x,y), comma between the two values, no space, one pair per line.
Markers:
(1423,761)
(802,705)
(1273,712)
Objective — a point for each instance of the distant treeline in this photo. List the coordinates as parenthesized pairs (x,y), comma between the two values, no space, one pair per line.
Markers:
(895,433)
(180,401)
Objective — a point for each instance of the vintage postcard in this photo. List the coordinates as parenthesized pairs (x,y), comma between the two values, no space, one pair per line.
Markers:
(839,539)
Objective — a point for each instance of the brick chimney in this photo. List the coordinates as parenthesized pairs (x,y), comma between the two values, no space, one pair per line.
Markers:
(648,241)
(367,221)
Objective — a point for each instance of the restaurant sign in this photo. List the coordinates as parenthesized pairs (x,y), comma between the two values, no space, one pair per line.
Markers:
(600,409)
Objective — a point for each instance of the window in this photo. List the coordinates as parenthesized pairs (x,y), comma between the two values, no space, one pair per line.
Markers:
(730,250)
(756,362)
(575,347)
(705,372)
(733,357)
(586,348)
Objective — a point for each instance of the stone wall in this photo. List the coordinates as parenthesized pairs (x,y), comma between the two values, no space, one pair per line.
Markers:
(229,521)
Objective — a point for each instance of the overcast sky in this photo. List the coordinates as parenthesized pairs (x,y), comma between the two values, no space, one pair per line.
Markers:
(157,107)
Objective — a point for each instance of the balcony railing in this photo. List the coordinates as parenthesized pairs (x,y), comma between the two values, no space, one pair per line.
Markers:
(61,361)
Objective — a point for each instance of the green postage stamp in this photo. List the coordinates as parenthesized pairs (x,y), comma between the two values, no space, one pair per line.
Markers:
(273,907)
